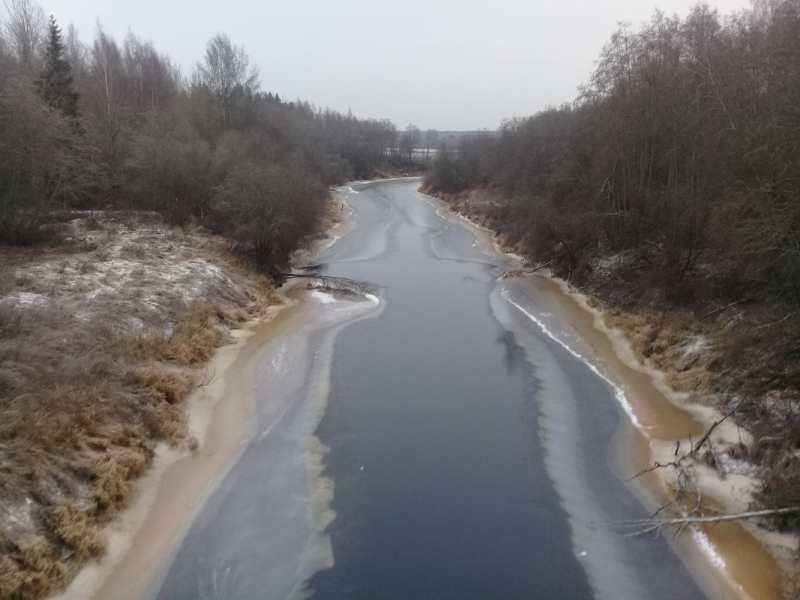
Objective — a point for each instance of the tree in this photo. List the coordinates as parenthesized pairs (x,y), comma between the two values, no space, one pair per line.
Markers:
(25,30)
(77,55)
(107,87)
(224,73)
(168,168)
(42,162)
(409,141)
(55,84)
(152,79)
(431,141)
(273,208)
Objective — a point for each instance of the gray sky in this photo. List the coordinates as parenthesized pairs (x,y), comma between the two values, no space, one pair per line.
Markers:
(440,64)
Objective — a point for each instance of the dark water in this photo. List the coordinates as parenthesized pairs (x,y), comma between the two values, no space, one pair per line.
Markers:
(468,448)
(441,490)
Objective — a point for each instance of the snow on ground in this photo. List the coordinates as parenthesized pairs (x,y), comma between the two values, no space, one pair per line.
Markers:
(140,271)
(735,466)
(695,344)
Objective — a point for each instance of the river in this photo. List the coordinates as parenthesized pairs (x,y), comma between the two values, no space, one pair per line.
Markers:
(449,438)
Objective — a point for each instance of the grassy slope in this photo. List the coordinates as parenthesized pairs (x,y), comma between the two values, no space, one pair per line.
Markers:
(102,339)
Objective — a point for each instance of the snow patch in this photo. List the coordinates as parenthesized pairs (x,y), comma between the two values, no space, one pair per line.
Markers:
(26,299)
(323,297)
(735,466)
(696,344)
(135,276)
(19,516)
(346,189)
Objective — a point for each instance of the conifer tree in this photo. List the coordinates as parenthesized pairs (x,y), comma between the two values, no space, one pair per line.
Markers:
(55,83)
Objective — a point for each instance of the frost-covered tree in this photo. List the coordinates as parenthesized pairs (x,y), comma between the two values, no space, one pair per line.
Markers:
(226,74)
(24,29)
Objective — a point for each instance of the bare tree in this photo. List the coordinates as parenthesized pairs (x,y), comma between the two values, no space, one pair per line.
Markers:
(409,141)
(226,69)
(152,78)
(77,55)
(431,141)
(25,30)
(42,164)
(107,92)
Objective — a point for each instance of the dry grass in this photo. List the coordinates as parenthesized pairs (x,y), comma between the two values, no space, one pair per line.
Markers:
(77,530)
(721,358)
(100,347)
(665,340)
(35,571)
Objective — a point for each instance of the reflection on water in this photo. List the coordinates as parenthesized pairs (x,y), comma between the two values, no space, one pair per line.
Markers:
(512,353)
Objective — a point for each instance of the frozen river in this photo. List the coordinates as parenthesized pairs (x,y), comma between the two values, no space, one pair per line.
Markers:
(449,439)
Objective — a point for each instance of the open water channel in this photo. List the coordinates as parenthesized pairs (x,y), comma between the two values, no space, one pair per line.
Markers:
(447,439)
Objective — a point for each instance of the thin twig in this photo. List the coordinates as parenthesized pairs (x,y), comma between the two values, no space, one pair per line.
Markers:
(547,264)
(657,465)
(713,312)
(755,514)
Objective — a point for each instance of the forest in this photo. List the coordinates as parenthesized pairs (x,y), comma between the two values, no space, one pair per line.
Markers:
(116,124)
(670,188)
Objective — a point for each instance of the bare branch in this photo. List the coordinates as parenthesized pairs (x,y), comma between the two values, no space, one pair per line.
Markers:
(714,425)
(688,520)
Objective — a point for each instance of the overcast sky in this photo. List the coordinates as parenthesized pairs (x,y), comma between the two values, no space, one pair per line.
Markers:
(440,64)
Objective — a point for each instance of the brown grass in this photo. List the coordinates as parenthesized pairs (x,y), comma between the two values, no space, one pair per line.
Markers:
(77,530)
(86,427)
(192,342)
(84,401)
(35,571)
(661,339)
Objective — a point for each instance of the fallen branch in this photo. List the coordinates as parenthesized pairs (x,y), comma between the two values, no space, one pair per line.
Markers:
(334,283)
(778,322)
(743,516)
(714,425)
(545,265)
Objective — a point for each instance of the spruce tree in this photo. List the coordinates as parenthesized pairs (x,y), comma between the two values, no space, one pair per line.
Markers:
(55,83)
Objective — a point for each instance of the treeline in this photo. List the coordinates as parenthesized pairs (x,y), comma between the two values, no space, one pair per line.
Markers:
(676,172)
(114,124)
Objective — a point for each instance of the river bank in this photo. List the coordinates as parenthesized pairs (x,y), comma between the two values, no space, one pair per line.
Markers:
(143,537)
(729,559)
(103,335)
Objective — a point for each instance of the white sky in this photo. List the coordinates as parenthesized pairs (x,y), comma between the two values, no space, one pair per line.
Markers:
(440,64)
